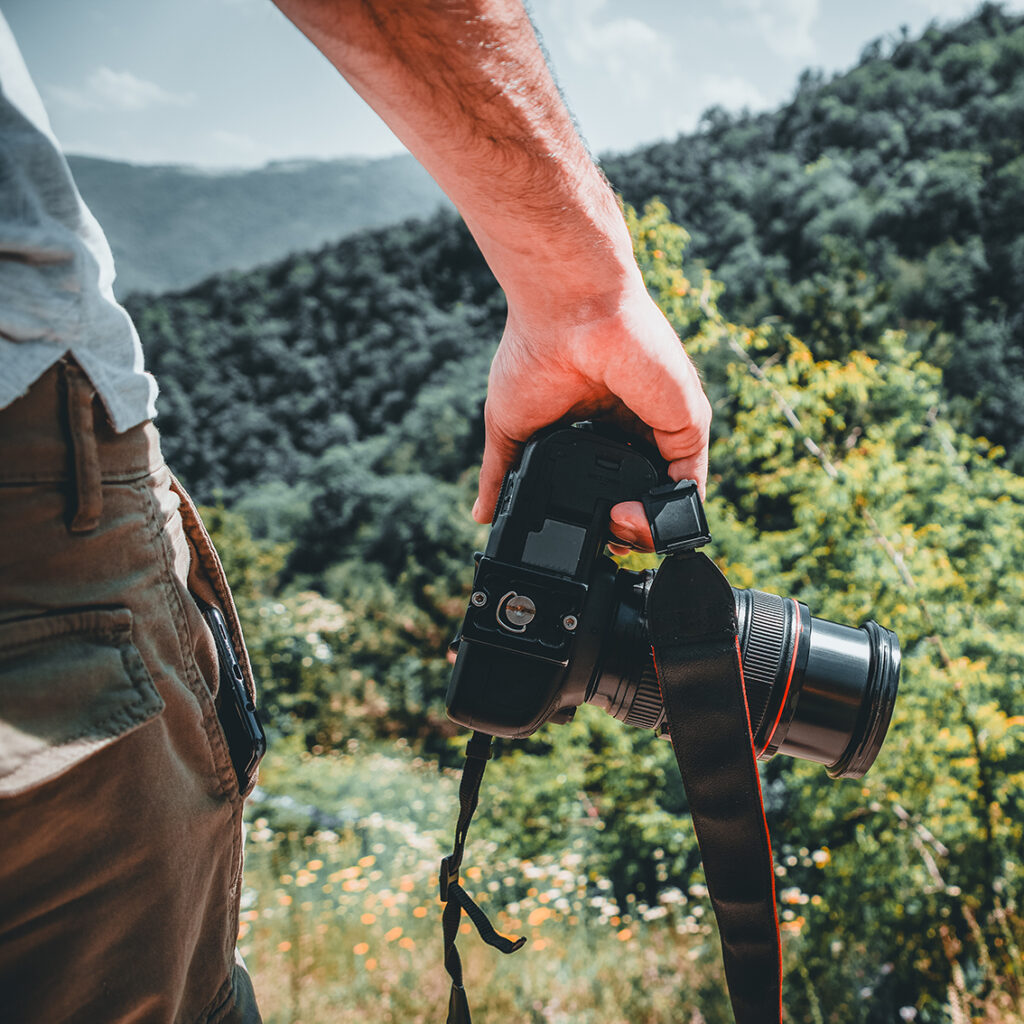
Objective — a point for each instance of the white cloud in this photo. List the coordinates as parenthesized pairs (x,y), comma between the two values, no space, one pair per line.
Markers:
(234,140)
(732,92)
(233,148)
(627,49)
(106,89)
(784,25)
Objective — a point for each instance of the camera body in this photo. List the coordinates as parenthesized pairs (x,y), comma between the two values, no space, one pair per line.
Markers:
(544,594)
(553,622)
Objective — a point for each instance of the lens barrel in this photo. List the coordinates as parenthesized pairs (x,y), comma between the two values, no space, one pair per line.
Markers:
(815,689)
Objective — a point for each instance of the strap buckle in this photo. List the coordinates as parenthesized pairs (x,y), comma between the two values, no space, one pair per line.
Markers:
(479,746)
(446,878)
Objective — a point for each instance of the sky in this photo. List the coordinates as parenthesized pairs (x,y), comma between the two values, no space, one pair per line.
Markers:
(231,83)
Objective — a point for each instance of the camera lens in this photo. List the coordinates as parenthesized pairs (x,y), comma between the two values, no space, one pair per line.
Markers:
(815,689)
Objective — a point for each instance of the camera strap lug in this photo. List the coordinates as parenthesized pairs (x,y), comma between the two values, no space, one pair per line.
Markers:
(450,891)
(692,626)
(676,517)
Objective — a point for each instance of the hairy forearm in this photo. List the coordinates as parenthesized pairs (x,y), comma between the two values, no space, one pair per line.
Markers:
(465,86)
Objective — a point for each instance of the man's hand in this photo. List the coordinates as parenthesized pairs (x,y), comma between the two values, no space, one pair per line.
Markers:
(624,364)
(464,85)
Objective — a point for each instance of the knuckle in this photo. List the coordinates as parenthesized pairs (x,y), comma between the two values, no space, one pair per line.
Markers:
(702,417)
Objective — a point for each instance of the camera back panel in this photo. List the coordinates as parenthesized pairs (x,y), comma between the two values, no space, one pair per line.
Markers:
(531,604)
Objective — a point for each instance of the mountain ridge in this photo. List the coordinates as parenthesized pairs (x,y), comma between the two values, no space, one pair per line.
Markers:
(170,226)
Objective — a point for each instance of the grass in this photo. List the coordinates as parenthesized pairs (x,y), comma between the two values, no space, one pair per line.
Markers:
(341,922)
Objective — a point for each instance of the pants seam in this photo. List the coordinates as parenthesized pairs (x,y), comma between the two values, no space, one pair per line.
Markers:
(22,479)
(218,1006)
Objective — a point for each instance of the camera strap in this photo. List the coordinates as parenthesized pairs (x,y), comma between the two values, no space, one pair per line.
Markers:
(692,624)
(453,896)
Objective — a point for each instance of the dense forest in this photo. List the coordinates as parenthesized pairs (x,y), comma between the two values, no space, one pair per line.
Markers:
(865,253)
(890,195)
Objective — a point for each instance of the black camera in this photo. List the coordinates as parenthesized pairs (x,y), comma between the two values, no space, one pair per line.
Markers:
(553,623)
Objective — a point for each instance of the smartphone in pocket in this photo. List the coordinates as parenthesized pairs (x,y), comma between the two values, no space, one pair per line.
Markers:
(247,742)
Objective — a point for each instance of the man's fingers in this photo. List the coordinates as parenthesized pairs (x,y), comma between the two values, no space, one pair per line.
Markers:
(661,386)
(694,467)
(500,452)
(675,407)
(629,523)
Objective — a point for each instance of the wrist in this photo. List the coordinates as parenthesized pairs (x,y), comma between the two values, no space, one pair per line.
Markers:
(574,257)
(594,335)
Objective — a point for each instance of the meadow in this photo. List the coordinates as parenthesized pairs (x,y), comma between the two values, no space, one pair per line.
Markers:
(343,923)
(340,917)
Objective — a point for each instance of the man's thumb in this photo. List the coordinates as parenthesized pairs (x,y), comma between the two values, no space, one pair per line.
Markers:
(500,453)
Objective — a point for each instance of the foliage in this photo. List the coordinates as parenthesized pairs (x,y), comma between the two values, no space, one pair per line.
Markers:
(872,506)
(890,196)
(263,374)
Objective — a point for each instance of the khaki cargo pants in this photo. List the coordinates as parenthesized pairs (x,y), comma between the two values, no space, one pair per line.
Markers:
(120,812)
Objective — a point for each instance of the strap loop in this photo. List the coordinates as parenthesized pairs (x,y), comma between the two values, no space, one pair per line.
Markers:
(446,878)
(484,927)
(454,897)
(676,517)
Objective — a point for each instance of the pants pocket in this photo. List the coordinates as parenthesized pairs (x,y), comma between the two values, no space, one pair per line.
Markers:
(71,683)
(208,583)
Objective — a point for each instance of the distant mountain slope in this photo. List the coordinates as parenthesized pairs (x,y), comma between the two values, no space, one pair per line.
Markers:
(171,226)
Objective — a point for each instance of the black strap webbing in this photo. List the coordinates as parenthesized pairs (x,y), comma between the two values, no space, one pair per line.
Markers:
(692,622)
(454,897)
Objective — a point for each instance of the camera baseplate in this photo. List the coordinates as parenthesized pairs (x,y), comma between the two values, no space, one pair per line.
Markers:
(524,611)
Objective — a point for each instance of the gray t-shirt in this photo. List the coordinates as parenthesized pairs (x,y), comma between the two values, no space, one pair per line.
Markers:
(56,270)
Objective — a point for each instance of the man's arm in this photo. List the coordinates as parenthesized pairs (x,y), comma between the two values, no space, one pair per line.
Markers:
(465,86)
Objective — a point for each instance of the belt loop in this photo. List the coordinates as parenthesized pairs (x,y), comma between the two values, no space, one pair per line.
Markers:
(86,481)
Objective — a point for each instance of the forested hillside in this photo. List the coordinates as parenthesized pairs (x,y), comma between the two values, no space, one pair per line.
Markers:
(386,335)
(893,194)
(171,226)
(328,406)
